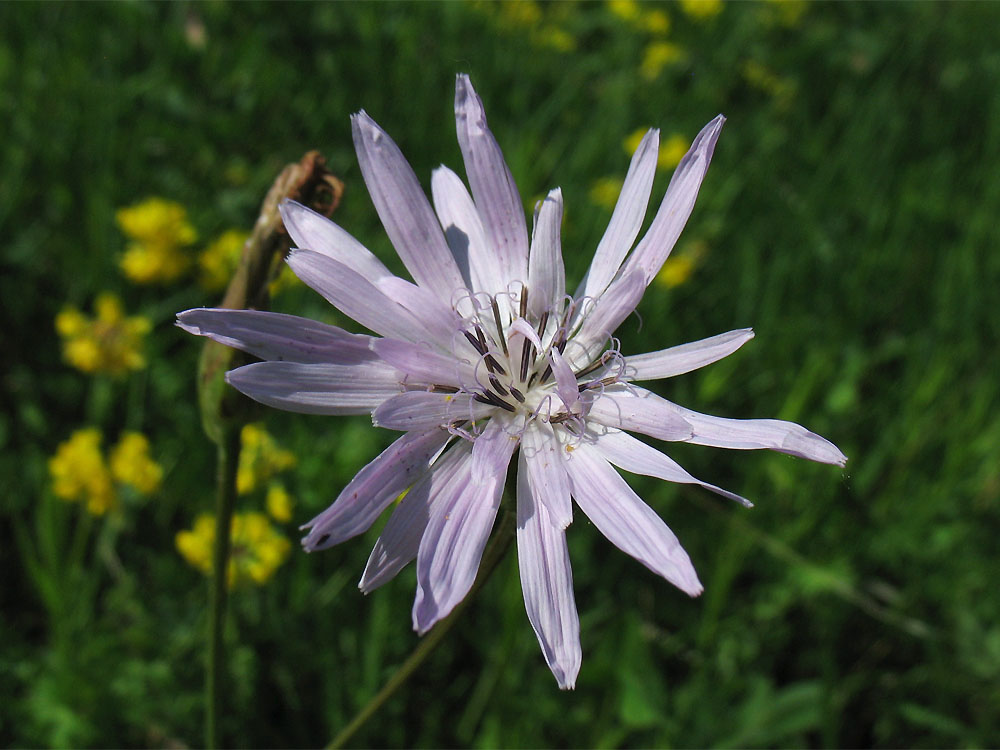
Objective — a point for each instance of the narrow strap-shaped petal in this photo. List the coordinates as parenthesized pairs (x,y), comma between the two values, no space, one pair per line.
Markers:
(546,274)
(687,357)
(463,229)
(616,304)
(422,365)
(547,584)
(356,297)
(452,546)
(271,335)
(374,488)
(312,231)
(439,319)
(630,454)
(497,199)
(542,463)
(677,204)
(317,388)
(566,385)
(626,221)
(404,209)
(400,538)
(420,410)
(627,521)
(492,449)
(638,410)
(753,434)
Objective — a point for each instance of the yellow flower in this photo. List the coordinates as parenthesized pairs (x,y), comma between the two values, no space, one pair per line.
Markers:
(655,22)
(257,550)
(108,343)
(79,473)
(678,268)
(701,9)
(219,260)
(279,502)
(132,465)
(554,37)
(657,56)
(156,221)
(159,230)
(788,12)
(520,12)
(627,10)
(604,192)
(260,459)
(672,150)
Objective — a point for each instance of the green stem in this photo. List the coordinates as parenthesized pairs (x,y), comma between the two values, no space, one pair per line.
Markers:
(228,460)
(495,552)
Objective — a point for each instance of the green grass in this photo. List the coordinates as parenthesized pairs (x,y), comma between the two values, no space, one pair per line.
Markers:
(850,219)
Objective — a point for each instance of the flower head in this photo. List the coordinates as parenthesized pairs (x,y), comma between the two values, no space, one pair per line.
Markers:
(160,230)
(80,473)
(485,356)
(131,463)
(258,549)
(107,343)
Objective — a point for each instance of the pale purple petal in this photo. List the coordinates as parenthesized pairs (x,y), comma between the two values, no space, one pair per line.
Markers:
(374,488)
(752,434)
(277,336)
(684,358)
(399,541)
(626,221)
(496,196)
(421,410)
(404,209)
(440,321)
(616,304)
(627,521)
(546,275)
(463,229)
(423,365)
(317,388)
(494,447)
(547,584)
(355,296)
(543,464)
(566,385)
(452,546)
(627,453)
(312,231)
(639,410)
(677,204)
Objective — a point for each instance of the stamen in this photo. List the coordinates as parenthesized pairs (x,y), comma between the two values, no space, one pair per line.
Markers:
(525,355)
(496,318)
(488,397)
(443,389)
(524,302)
(495,382)
(517,394)
(493,366)
(477,344)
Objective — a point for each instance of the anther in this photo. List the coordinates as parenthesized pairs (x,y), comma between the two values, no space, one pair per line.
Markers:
(496,318)
(517,394)
(524,302)
(495,382)
(478,345)
(443,389)
(525,356)
(492,365)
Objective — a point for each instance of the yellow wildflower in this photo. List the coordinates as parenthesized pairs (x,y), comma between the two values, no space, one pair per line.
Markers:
(701,9)
(788,12)
(109,343)
(79,473)
(219,260)
(554,37)
(657,56)
(672,150)
(655,22)
(627,10)
(159,230)
(260,459)
(520,12)
(279,502)
(257,551)
(678,268)
(132,465)
(604,192)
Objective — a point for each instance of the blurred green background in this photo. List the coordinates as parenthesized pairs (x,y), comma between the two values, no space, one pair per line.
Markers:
(850,216)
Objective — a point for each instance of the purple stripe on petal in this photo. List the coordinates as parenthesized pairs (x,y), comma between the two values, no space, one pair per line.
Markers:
(542,460)
(627,521)
(317,388)
(374,488)
(404,209)
(547,584)
(497,199)
(277,336)
(423,365)
(421,410)
(493,448)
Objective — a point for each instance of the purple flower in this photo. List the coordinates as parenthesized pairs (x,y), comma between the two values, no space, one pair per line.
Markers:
(487,354)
